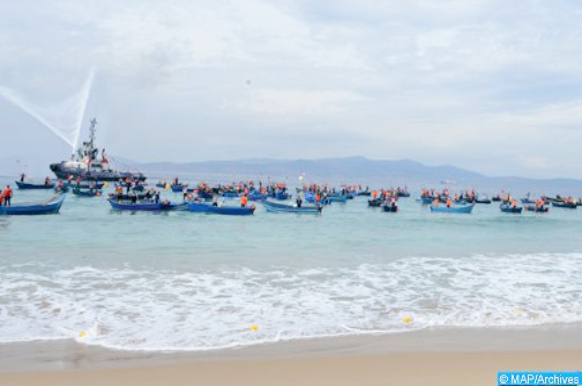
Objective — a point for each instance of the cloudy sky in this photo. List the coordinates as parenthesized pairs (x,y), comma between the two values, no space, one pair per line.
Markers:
(492,86)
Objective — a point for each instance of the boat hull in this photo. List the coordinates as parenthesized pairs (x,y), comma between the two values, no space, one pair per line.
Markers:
(289,208)
(537,209)
(564,205)
(87,193)
(389,208)
(510,209)
(200,207)
(145,206)
(51,207)
(375,202)
(27,185)
(64,172)
(453,209)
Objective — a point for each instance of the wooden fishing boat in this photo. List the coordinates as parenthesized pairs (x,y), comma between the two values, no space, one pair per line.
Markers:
(253,196)
(506,208)
(389,208)
(31,185)
(146,206)
(86,192)
(50,206)
(203,207)
(452,209)
(178,188)
(375,202)
(280,196)
(271,206)
(563,204)
(537,209)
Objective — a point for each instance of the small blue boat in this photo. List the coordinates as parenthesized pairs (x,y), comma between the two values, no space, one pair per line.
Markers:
(51,206)
(562,204)
(452,209)
(179,188)
(426,200)
(86,192)
(145,206)
(281,196)
(292,208)
(87,184)
(375,202)
(507,208)
(252,196)
(342,199)
(389,208)
(29,185)
(537,209)
(203,207)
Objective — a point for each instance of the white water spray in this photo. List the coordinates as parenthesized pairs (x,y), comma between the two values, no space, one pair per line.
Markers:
(65,119)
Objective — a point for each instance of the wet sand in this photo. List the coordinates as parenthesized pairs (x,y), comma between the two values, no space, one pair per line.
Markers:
(438,357)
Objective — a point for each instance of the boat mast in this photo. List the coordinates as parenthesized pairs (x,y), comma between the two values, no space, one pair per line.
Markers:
(92,132)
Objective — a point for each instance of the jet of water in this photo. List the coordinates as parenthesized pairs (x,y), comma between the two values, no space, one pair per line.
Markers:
(65,118)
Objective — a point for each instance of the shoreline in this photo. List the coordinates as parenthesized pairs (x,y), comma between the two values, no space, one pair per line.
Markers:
(66,355)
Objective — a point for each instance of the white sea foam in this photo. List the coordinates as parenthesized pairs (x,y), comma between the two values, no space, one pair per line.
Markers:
(147,309)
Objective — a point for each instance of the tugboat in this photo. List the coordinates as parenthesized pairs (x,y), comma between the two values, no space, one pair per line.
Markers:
(85,165)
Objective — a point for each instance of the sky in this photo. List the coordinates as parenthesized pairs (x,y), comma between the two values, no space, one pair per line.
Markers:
(491,86)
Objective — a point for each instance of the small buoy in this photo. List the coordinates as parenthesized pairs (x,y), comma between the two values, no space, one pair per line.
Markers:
(407,319)
(254,327)
(82,334)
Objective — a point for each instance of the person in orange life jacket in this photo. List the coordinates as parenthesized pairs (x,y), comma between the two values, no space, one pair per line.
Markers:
(448,202)
(7,195)
(243,201)
(515,203)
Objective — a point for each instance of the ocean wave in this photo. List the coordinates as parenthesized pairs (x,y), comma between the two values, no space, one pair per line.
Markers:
(151,309)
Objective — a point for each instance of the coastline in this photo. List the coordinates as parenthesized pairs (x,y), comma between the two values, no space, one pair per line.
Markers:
(473,356)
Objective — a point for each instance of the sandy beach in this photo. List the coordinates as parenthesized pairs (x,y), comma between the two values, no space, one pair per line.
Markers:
(436,357)
(403,369)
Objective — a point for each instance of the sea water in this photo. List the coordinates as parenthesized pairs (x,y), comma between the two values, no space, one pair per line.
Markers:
(186,281)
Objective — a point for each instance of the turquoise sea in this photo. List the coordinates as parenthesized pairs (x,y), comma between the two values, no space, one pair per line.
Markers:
(185,281)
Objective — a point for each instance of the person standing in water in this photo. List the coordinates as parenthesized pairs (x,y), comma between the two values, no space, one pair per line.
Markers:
(7,194)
